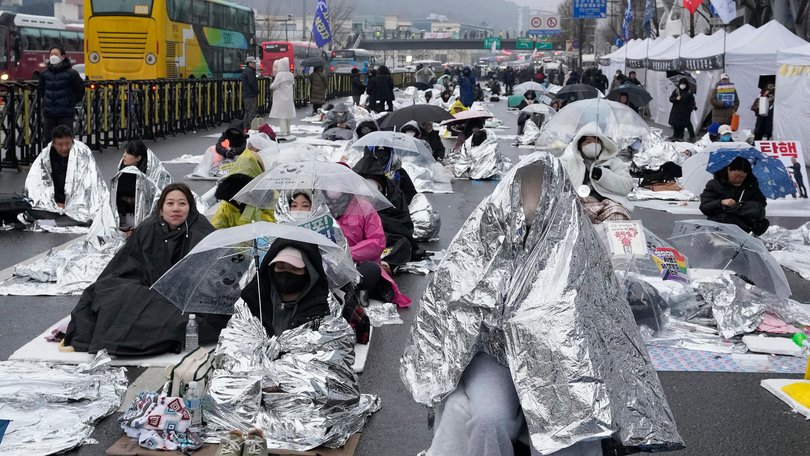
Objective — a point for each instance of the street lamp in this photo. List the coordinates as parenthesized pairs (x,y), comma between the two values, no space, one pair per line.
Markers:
(286,24)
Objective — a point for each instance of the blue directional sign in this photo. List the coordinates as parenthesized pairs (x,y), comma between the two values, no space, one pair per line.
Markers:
(590,9)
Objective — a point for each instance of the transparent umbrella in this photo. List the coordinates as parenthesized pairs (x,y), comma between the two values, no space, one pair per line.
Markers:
(530,85)
(712,245)
(263,191)
(208,279)
(616,120)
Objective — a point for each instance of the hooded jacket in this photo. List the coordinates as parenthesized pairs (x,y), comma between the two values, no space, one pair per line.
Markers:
(311,305)
(283,106)
(232,213)
(467,86)
(750,206)
(237,141)
(615,183)
(60,88)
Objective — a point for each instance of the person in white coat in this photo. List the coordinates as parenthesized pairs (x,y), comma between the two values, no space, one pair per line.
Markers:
(602,180)
(283,107)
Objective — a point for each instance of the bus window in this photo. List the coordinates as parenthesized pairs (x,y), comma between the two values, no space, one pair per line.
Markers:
(31,39)
(51,39)
(200,12)
(140,7)
(216,15)
(179,10)
(243,20)
(71,41)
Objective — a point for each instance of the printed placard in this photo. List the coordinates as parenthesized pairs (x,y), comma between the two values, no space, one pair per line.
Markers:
(727,94)
(626,238)
(786,151)
(671,264)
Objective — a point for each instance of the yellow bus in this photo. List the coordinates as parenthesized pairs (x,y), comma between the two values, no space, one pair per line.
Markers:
(151,39)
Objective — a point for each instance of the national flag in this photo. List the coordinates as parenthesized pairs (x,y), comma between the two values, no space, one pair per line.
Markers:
(628,21)
(726,9)
(692,5)
(649,12)
(321,31)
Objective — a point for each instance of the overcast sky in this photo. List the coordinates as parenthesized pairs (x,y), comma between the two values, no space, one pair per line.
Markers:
(547,5)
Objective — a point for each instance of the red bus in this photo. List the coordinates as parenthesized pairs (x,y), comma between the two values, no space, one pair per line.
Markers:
(296,51)
(26,40)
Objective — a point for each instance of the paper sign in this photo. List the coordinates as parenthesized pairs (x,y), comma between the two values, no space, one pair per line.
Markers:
(626,238)
(671,263)
(785,151)
(727,94)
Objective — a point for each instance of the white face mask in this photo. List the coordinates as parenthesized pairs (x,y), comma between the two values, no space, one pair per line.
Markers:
(591,150)
(55,59)
(410,133)
(682,86)
(300,215)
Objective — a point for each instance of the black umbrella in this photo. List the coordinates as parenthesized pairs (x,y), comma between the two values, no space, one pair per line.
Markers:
(638,96)
(579,91)
(313,62)
(420,113)
(689,79)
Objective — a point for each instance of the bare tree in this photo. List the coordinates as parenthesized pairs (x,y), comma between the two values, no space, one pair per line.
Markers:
(340,12)
(265,28)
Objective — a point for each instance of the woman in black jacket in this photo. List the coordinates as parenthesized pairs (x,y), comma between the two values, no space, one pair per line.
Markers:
(734,197)
(382,87)
(683,103)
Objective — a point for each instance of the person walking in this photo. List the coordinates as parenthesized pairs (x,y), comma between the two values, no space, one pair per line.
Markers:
(60,88)
(796,168)
(680,117)
(283,107)
(250,92)
(318,85)
(382,88)
(723,109)
(357,86)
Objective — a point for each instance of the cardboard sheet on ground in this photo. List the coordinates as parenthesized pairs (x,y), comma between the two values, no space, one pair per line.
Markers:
(129,447)
(40,349)
(791,391)
(780,208)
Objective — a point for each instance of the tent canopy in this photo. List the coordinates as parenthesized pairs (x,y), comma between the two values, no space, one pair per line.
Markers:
(799,55)
(764,43)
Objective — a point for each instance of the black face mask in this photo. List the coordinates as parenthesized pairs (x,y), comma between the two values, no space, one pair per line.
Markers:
(288,282)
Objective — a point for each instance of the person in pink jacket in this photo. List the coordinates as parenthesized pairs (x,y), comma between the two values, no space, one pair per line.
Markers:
(364,233)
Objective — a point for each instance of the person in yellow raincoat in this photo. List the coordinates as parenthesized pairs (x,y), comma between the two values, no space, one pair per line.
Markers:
(233,213)
(457,107)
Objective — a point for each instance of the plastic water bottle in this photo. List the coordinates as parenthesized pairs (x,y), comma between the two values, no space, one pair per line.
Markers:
(192,334)
(193,399)
(800,339)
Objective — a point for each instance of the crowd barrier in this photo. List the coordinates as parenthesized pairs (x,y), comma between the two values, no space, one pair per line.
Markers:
(113,112)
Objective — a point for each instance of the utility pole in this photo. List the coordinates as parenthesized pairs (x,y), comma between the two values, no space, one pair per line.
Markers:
(580,38)
(304,20)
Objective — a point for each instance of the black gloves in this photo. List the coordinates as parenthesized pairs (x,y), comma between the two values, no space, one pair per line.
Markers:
(596,173)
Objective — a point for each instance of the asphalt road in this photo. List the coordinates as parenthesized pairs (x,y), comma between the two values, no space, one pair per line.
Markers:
(717,413)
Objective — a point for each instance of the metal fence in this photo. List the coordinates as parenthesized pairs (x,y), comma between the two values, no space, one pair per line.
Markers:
(113,112)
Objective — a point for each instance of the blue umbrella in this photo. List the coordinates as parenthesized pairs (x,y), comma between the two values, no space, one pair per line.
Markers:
(774,181)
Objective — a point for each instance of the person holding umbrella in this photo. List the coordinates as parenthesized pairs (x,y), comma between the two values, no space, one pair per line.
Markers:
(624,98)
(733,196)
(683,103)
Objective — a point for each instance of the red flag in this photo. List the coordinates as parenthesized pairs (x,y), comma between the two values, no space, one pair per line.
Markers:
(692,5)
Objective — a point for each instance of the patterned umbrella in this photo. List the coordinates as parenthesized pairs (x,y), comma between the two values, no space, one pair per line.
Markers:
(774,180)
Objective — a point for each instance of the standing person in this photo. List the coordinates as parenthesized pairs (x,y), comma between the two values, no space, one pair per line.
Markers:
(796,168)
(618,80)
(250,92)
(60,88)
(371,100)
(631,79)
(764,125)
(382,86)
(283,107)
(357,86)
(467,85)
(318,84)
(509,80)
(600,81)
(683,103)
(723,110)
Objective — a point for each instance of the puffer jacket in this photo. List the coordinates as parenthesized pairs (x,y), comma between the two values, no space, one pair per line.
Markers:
(750,206)
(60,88)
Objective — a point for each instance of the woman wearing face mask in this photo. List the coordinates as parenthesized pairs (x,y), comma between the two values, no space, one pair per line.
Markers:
(724,134)
(601,179)
(120,313)
(683,103)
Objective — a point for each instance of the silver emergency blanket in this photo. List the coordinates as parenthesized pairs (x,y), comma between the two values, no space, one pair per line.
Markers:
(53,408)
(426,266)
(530,134)
(426,221)
(791,248)
(547,304)
(148,187)
(737,307)
(657,152)
(300,388)
(480,162)
(383,313)
(85,189)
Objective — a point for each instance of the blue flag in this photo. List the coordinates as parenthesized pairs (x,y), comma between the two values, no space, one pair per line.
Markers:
(3,427)
(320,26)
(649,12)
(628,20)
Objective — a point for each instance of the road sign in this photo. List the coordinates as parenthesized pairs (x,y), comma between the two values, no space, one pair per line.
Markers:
(569,46)
(544,45)
(523,43)
(590,9)
(543,25)
(492,41)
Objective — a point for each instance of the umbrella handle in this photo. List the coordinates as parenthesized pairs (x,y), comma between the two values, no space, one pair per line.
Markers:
(258,278)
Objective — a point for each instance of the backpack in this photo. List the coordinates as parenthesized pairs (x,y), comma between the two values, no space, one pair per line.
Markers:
(194,367)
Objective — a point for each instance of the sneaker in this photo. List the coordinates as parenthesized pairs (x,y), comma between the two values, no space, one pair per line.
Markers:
(255,444)
(231,444)
(25,218)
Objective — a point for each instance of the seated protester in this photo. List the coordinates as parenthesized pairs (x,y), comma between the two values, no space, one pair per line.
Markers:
(412,129)
(120,313)
(529,97)
(624,99)
(392,168)
(362,227)
(734,197)
(467,130)
(64,183)
(339,123)
(443,101)
(140,180)
(432,138)
(232,142)
(365,127)
(601,179)
(724,133)
(479,157)
(457,107)
(230,212)
(555,104)
(476,355)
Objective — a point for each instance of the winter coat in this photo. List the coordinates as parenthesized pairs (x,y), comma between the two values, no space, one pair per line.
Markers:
(120,313)
(357,85)
(467,89)
(721,113)
(60,88)
(615,183)
(250,85)
(750,207)
(681,113)
(283,104)
(231,213)
(237,142)
(382,87)
(362,227)
(764,125)
(264,299)
(318,85)
(435,142)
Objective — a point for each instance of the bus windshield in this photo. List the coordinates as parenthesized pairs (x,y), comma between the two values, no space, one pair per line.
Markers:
(139,7)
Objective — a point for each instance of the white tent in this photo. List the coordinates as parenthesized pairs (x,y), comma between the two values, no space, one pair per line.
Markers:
(747,61)
(617,59)
(701,51)
(663,58)
(792,103)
